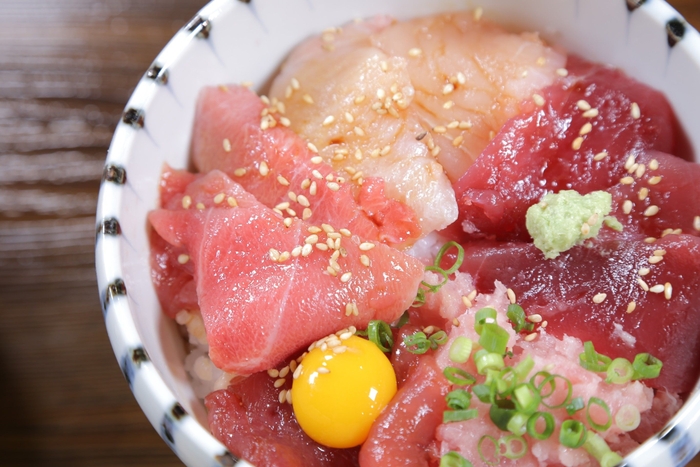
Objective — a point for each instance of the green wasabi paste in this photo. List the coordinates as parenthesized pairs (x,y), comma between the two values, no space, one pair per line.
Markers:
(565,219)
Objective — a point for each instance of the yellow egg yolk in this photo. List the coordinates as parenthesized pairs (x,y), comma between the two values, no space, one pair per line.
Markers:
(341,391)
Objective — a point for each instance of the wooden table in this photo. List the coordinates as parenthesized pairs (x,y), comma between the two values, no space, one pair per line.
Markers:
(67,68)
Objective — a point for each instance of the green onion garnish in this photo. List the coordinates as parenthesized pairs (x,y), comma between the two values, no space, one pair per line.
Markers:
(516,314)
(493,338)
(454,459)
(572,434)
(458,399)
(496,450)
(461,349)
(599,449)
(600,403)
(646,366)
(486,360)
(437,339)
(449,416)
(379,332)
(482,316)
(417,343)
(435,267)
(551,381)
(524,368)
(627,417)
(575,405)
(501,411)
(445,248)
(483,392)
(458,376)
(518,423)
(527,398)
(592,360)
(619,371)
(548,425)
(508,442)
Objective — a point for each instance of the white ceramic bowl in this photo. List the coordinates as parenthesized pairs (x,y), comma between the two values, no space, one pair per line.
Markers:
(245,40)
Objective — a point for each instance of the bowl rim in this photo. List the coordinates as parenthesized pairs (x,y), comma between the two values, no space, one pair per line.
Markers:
(192,442)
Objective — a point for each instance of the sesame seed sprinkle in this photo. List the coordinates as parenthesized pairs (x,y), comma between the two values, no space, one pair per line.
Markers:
(227,145)
(659,252)
(366,246)
(478,13)
(273,373)
(218,199)
(511,295)
(186,201)
(668,291)
(640,171)
(654,180)
(308,99)
(538,100)
(183,258)
(626,180)
(629,162)
(631,306)
(346,277)
(322,246)
(643,193)
(653,164)
(364,259)
(658,288)
(317,174)
(576,145)
(599,298)
(239,172)
(696,223)
(466,301)
(448,88)
(600,156)
(284,372)
(535,318)
(655,259)
(448,105)
(635,111)
(279,382)
(644,271)
(651,211)
(328,120)
(585,129)
(627,206)
(457,141)
(200,206)
(583,105)
(650,240)
(472,295)
(264,169)
(591,113)
(562,72)
(642,284)
(531,337)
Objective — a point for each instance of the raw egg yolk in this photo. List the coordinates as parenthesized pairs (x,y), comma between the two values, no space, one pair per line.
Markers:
(341,391)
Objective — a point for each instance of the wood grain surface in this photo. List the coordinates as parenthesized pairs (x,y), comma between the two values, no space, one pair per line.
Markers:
(67,68)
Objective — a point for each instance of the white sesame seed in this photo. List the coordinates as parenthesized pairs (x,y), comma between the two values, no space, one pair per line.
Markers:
(311,239)
(316,160)
(345,277)
(364,259)
(531,337)
(576,145)
(384,65)
(511,295)
(655,259)
(273,373)
(317,174)
(535,318)
(466,301)
(654,180)
(457,141)
(285,122)
(264,169)
(448,105)
(200,206)
(541,61)
(448,88)
(660,252)
(583,105)
(627,206)
(306,213)
(642,284)
(658,288)
(322,246)
(635,111)
(284,372)
(600,156)
(651,211)
(591,113)
(599,298)
(366,246)
(641,168)
(218,199)
(345,232)
(629,162)
(239,172)
(186,201)
(284,256)
(472,295)
(303,200)
(306,98)
(626,180)
(644,271)
(440,129)
(631,306)
(288,222)
(585,129)
(288,396)
(653,164)
(562,72)
(274,254)
(297,372)
(183,258)
(538,100)
(696,223)
(668,290)
(643,193)
(328,120)
(227,145)
(306,250)
(650,240)
(585,228)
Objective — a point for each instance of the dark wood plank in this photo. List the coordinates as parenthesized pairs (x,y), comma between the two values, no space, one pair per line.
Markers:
(67,68)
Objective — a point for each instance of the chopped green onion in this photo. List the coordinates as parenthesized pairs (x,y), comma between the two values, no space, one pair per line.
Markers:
(508,442)
(445,248)
(458,399)
(461,349)
(435,287)
(438,338)
(494,338)
(592,360)
(575,405)
(524,368)
(627,417)
(454,459)
(483,392)
(449,416)
(646,366)
(506,380)
(379,332)
(417,343)
(496,450)
(600,403)
(526,398)
(596,446)
(481,316)
(572,434)
(458,376)
(403,321)
(486,360)
(551,381)
(548,425)
(419,301)
(516,314)
(501,411)
(619,371)
(518,424)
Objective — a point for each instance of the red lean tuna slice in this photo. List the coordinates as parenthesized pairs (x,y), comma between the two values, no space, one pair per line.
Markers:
(248,418)
(273,162)
(562,291)
(405,430)
(533,154)
(257,310)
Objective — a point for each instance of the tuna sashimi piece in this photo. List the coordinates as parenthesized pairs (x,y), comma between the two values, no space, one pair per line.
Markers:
(280,169)
(248,418)
(267,288)
(405,430)
(580,138)
(651,302)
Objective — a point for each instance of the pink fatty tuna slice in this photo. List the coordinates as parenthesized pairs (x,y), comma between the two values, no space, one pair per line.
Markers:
(637,313)
(266,289)
(580,138)
(281,170)
(249,419)
(412,102)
